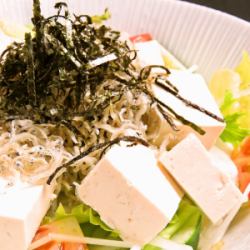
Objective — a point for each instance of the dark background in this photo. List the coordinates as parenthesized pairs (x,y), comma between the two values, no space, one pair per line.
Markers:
(240,8)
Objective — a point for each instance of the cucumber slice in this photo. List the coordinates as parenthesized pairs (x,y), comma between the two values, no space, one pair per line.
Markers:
(150,247)
(185,226)
(190,232)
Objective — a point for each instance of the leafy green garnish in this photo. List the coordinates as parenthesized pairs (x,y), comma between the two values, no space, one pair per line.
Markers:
(233,133)
(90,223)
(151,247)
(100,18)
(89,220)
(228,102)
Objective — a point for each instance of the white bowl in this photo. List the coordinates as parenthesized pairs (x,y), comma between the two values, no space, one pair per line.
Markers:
(195,34)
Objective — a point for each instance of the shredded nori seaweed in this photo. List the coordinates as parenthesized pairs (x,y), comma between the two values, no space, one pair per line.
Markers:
(49,74)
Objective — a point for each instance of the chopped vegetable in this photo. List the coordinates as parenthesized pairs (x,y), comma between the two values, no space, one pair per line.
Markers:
(241,158)
(244,106)
(185,226)
(238,83)
(224,80)
(66,226)
(99,19)
(160,243)
(234,132)
(97,243)
(141,38)
(89,220)
(228,103)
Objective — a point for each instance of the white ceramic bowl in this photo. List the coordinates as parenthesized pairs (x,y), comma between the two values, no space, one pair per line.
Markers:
(195,34)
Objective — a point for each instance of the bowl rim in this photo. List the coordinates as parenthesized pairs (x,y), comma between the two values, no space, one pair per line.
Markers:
(237,19)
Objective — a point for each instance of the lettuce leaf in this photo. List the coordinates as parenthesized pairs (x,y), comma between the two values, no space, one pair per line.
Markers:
(233,133)
(98,19)
(228,103)
(225,85)
(90,224)
(151,247)
(89,220)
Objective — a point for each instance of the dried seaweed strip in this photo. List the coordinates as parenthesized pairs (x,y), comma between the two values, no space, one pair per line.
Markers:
(187,102)
(180,118)
(96,147)
(31,81)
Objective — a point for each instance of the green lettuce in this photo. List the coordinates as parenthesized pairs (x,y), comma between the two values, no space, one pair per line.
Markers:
(98,19)
(183,228)
(233,133)
(89,220)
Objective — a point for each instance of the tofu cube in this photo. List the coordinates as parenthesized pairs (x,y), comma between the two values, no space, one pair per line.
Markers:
(223,162)
(153,53)
(211,233)
(131,194)
(22,209)
(149,53)
(192,167)
(193,87)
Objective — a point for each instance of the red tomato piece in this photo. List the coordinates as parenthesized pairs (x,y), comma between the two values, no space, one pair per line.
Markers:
(241,158)
(244,180)
(245,147)
(141,38)
(45,230)
(73,246)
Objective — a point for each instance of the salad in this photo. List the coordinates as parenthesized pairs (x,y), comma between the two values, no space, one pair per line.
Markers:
(109,142)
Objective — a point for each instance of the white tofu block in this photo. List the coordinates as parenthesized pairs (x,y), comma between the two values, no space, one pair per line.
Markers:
(131,194)
(224,163)
(153,53)
(193,87)
(149,53)
(21,211)
(190,164)
(211,234)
